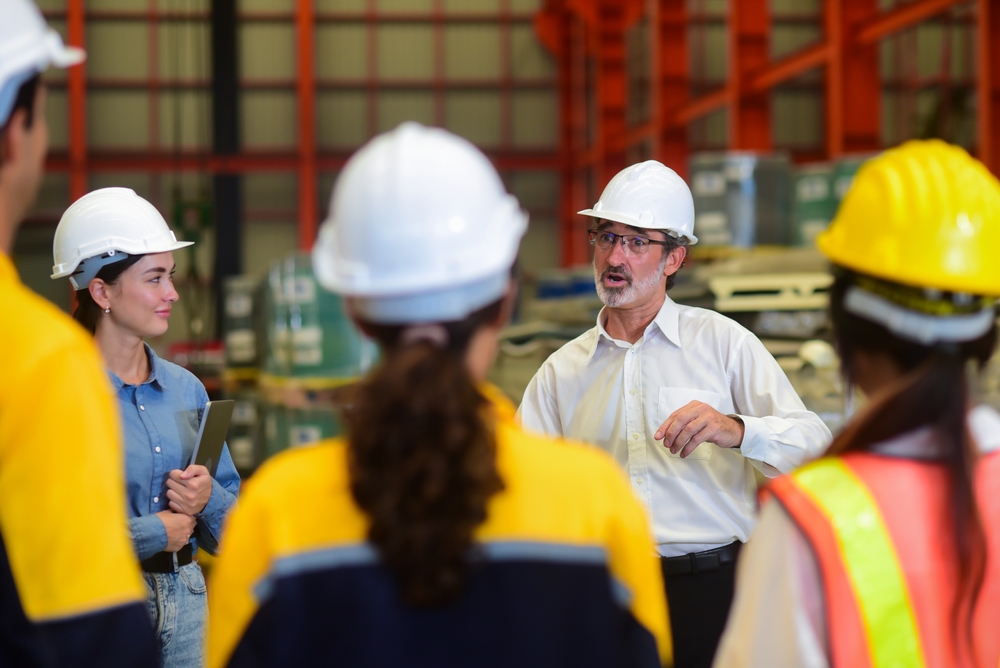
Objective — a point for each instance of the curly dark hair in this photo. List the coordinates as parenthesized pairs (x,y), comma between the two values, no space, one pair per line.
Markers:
(422,458)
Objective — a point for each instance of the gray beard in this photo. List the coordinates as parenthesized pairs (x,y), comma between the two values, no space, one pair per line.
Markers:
(617,297)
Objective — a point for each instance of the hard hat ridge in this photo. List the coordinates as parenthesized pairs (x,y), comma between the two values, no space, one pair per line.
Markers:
(420,228)
(925,214)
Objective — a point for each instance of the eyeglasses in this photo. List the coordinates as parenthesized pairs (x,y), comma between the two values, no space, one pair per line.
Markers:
(633,243)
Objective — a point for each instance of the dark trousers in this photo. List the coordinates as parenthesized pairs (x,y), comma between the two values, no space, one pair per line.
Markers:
(699,606)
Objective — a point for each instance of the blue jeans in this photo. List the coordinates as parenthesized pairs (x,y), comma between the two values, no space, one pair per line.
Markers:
(178,606)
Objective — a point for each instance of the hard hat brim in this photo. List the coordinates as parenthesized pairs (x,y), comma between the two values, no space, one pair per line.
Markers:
(631,221)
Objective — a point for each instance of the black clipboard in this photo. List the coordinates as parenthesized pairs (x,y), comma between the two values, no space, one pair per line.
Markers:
(212,434)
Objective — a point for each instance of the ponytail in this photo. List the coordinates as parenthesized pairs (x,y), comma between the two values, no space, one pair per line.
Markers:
(932,393)
(422,457)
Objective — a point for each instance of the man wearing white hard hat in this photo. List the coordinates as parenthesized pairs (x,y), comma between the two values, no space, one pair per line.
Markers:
(70,589)
(685,399)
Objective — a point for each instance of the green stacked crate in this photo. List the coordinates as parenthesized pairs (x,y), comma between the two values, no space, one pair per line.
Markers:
(323,342)
(815,202)
(239,322)
(275,319)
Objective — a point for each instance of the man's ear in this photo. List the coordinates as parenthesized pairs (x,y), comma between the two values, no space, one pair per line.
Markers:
(12,136)
(675,260)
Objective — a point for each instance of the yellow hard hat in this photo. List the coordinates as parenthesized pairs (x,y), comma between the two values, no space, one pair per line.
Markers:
(925,214)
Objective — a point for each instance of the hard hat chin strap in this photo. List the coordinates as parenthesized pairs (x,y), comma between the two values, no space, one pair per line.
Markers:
(914,326)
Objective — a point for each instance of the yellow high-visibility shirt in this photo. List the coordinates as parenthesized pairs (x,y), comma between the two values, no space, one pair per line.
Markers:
(567,572)
(65,543)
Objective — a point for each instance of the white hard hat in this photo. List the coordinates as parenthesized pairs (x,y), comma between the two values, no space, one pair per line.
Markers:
(420,229)
(27,47)
(104,227)
(649,195)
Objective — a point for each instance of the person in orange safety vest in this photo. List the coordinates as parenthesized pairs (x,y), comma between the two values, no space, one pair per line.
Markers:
(886,552)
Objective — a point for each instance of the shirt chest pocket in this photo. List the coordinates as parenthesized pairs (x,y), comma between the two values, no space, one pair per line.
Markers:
(673,398)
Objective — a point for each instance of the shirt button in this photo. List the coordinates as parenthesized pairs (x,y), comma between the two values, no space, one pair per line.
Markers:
(632,392)
(638,481)
(156,499)
(636,436)
(157,448)
(142,408)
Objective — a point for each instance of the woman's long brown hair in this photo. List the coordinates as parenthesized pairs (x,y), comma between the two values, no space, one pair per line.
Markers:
(422,458)
(933,393)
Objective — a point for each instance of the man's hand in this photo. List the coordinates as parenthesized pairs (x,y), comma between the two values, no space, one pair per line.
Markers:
(179,528)
(690,426)
(189,490)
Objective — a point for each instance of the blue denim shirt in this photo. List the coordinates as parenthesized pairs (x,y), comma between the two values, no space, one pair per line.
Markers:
(160,421)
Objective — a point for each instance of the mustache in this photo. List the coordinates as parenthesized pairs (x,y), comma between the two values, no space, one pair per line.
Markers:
(620,270)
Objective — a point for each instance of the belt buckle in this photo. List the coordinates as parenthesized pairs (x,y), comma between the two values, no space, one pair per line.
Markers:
(701,561)
(173,556)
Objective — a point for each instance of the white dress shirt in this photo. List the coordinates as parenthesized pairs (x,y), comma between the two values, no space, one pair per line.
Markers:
(778,618)
(616,395)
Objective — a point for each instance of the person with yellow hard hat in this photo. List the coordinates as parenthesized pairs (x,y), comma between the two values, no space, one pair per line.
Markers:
(437,532)
(71,593)
(887,550)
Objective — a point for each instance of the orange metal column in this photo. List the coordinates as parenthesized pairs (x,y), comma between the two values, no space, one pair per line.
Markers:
(306,89)
(749,51)
(674,83)
(77,85)
(988,38)
(611,90)
(860,84)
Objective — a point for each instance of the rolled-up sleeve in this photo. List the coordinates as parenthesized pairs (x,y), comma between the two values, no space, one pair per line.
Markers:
(149,536)
(787,435)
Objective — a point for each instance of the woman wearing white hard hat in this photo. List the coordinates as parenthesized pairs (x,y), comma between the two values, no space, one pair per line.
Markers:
(437,533)
(117,251)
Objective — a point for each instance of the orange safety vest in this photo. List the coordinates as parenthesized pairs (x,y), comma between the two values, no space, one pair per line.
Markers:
(881,530)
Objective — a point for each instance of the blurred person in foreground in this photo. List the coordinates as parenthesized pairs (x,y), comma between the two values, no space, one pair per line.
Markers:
(685,399)
(436,533)
(70,590)
(887,550)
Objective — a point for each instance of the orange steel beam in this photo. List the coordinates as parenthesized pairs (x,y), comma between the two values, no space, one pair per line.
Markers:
(77,104)
(790,67)
(749,50)
(893,21)
(704,105)
(988,56)
(306,93)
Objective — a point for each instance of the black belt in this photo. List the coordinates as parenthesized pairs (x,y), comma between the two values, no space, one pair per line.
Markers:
(163,562)
(699,562)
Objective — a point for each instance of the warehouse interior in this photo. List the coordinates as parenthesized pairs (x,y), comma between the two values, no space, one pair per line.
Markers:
(234,117)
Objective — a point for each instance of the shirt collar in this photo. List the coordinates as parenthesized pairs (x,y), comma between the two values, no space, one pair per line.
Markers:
(155,370)
(666,321)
